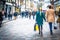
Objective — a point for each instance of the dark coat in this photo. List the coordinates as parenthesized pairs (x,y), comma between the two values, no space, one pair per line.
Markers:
(1,16)
(15,14)
(39,18)
(33,13)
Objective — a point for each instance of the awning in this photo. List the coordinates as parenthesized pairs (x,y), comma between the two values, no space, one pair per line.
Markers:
(9,3)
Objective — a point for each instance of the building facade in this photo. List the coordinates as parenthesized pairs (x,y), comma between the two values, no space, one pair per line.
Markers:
(12,6)
(52,2)
(57,5)
(2,4)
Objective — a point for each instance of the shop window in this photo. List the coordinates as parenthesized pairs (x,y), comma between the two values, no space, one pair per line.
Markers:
(13,0)
(1,5)
(10,0)
(6,0)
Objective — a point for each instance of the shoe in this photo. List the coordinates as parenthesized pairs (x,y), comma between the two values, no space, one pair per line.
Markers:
(0,26)
(39,32)
(51,33)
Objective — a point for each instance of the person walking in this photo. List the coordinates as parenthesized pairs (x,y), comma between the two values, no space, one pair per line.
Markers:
(33,13)
(1,18)
(30,15)
(50,16)
(39,19)
(15,15)
(5,13)
(9,16)
(58,20)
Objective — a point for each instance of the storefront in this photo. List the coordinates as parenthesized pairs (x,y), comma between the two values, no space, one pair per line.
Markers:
(13,4)
(2,4)
(57,5)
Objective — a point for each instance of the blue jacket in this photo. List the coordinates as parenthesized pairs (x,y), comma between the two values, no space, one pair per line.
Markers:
(15,14)
(39,18)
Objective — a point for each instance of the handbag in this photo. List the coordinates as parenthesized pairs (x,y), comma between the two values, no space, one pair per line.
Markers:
(36,27)
(55,23)
(55,27)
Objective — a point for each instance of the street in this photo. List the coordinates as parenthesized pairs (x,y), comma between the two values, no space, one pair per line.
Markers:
(23,29)
(18,18)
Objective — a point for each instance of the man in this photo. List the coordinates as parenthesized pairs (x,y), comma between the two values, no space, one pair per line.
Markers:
(50,15)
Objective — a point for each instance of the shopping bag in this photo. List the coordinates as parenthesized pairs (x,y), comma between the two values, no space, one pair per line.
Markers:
(36,27)
(55,27)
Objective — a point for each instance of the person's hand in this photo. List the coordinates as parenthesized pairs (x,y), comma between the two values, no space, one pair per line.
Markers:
(45,20)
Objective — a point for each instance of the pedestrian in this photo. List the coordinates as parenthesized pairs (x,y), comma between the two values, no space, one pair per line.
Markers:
(15,15)
(33,13)
(5,13)
(22,14)
(50,16)
(9,16)
(26,14)
(30,15)
(39,19)
(58,20)
(1,18)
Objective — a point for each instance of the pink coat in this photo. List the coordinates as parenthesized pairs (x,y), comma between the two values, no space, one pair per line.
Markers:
(50,15)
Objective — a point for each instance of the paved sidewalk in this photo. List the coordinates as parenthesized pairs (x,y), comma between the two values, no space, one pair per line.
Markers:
(22,29)
(6,20)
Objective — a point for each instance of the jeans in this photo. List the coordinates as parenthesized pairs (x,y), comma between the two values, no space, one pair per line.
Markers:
(50,25)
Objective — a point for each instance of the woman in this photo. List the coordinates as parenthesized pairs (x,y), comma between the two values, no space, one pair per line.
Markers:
(39,19)
(50,15)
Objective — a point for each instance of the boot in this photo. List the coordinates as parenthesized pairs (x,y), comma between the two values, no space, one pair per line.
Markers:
(51,32)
